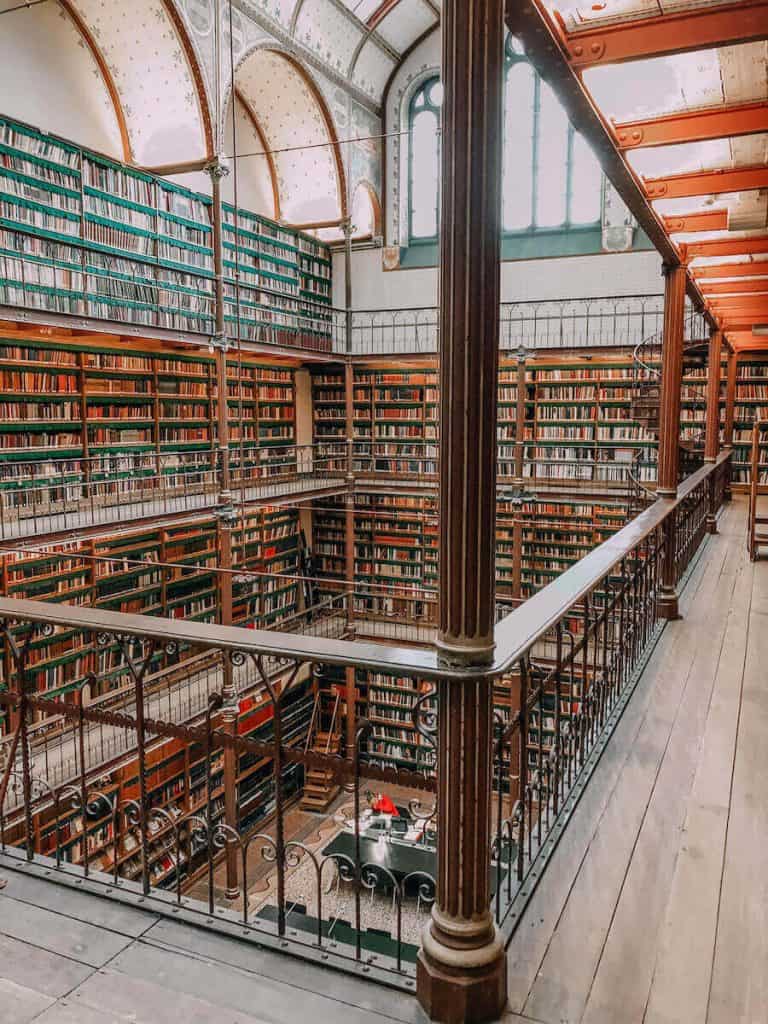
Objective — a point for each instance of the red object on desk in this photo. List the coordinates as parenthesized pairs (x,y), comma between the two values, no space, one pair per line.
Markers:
(385,806)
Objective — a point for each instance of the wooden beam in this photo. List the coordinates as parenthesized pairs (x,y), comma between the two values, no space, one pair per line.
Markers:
(755,268)
(705,183)
(744,305)
(734,287)
(706,220)
(670,33)
(720,122)
(729,247)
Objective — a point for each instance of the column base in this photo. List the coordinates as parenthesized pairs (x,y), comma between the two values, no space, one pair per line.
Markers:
(468,996)
(667,605)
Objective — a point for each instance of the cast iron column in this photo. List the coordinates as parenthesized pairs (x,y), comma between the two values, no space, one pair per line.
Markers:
(730,402)
(712,442)
(226,518)
(461,966)
(669,426)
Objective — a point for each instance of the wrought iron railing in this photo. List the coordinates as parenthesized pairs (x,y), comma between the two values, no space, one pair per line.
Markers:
(566,662)
(38,498)
(605,321)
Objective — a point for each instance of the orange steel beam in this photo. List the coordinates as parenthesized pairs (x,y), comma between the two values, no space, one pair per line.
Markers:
(728,247)
(694,125)
(542,39)
(755,268)
(734,287)
(741,304)
(705,183)
(707,220)
(664,34)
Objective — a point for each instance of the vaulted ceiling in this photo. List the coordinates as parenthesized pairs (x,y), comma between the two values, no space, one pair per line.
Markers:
(676,96)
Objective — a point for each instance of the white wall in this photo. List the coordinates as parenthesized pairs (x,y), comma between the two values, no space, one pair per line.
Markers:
(636,273)
(50,80)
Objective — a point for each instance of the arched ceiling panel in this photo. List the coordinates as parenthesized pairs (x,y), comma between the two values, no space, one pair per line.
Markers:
(372,70)
(328,33)
(406,23)
(295,126)
(256,182)
(51,78)
(151,70)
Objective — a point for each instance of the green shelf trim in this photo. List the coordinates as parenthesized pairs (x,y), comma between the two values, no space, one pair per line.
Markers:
(115,165)
(44,261)
(110,197)
(41,161)
(188,222)
(30,204)
(108,222)
(41,289)
(171,186)
(33,133)
(41,183)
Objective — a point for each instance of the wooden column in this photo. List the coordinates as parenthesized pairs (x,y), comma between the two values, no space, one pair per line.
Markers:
(669,426)
(712,440)
(461,965)
(730,405)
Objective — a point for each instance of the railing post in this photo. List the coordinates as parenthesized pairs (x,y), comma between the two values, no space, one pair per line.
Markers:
(730,403)
(712,442)
(461,971)
(669,427)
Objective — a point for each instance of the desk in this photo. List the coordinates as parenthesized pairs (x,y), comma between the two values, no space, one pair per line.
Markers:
(399,858)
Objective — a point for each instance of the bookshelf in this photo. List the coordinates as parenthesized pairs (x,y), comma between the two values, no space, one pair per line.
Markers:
(578,426)
(70,414)
(168,571)
(750,406)
(83,234)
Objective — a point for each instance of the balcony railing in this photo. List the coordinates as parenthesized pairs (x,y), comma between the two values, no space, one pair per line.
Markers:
(604,321)
(607,321)
(566,663)
(38,498)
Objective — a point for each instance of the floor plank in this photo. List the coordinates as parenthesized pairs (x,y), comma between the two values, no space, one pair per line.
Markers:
(680,985)
(739,988)
(532,940)
(563,982)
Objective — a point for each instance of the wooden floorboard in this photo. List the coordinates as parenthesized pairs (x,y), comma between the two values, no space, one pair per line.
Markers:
(563,981)
(739,987)
(531,942)
(628,929)
(680,985)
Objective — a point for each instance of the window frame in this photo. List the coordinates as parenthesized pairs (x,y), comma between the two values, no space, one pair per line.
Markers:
(424,91)
(513,55)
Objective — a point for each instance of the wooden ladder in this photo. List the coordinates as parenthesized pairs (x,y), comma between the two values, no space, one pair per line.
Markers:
(320,787)
(756,538)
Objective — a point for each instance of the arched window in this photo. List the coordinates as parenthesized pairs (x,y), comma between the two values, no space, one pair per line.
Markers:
(424,162)
(551,179)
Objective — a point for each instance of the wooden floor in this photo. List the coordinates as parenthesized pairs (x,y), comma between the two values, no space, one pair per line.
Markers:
(653,909)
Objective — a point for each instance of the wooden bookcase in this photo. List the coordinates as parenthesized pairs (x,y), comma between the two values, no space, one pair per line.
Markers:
(83,234)
(130,415)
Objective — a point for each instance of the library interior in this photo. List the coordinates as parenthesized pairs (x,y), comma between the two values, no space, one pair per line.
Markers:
(383,501)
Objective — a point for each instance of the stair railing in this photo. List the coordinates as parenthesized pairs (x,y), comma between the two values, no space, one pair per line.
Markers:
(312,723)
(333,722)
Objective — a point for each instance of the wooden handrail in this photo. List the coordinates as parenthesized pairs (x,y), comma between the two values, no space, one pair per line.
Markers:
(515,635)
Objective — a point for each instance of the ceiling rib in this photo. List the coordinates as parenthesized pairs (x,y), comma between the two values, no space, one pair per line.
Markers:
(724,121)
(665,34)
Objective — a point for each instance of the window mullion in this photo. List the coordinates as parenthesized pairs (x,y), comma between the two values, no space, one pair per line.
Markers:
(535,148)
(569,176)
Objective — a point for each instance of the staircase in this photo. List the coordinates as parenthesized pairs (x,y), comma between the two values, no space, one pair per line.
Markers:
(646,397)
(320,788)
